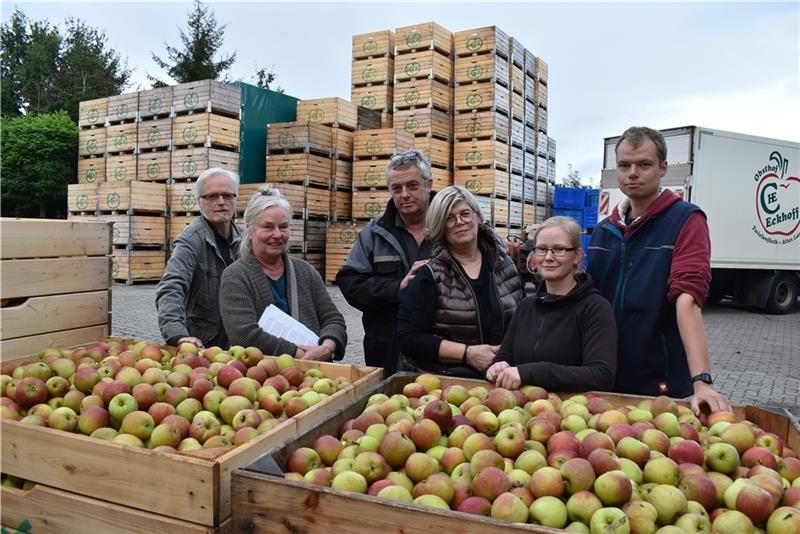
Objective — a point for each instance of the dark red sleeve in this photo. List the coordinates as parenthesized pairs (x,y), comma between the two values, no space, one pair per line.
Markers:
(690,271)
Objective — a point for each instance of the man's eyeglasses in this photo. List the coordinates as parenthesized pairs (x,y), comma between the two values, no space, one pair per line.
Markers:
(465,217)
(558,252)
(227,197)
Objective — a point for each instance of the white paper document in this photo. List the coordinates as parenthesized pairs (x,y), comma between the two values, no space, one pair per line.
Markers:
(276,322)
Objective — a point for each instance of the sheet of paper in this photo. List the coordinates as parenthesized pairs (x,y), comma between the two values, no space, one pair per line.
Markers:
(277,323)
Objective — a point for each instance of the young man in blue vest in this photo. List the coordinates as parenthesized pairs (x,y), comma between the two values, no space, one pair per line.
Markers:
(651,259)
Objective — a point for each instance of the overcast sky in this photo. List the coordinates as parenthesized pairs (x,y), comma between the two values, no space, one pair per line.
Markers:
(726,65)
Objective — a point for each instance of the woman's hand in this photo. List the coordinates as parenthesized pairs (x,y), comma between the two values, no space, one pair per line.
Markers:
(481,356)
(411,273)
(316,352)
(495,369)
(509,379)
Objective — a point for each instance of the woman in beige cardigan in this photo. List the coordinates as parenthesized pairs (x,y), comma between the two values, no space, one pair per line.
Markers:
(264,274)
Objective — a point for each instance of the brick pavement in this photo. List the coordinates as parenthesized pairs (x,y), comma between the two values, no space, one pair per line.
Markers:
(755,357)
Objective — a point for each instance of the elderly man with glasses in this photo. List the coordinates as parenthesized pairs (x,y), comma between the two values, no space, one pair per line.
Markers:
(187,297)
(386,256)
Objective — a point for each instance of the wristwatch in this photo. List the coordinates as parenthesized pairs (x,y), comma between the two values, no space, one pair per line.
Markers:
(703,377)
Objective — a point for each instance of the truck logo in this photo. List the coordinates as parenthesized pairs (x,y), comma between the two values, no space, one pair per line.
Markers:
(777,202)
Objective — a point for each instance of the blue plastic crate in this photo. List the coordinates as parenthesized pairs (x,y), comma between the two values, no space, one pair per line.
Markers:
(592,198)
(585,240)
(576,214)
(569,198)
(589,217)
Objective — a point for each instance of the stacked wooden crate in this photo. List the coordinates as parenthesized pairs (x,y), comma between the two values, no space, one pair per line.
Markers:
(339,240)
(372,151)
(543,173)
(423,94)
(372,73)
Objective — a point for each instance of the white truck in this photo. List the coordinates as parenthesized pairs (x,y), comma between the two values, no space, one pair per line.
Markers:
(749,188)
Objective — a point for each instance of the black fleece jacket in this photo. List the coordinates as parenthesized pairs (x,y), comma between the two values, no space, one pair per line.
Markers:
(563,342)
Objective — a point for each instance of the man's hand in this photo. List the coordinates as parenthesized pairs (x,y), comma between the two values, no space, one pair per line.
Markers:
(509,379)
(495,369)
(193,340)
(315,352)
(411,273)
(705,395)
(481,356)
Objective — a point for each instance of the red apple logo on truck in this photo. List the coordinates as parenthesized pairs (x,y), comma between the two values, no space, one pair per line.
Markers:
(777,201)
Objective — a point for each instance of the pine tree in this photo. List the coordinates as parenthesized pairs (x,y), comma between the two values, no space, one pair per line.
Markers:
(196,60)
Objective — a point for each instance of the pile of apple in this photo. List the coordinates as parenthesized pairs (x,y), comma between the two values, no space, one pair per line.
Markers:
(578,464)
(144,395)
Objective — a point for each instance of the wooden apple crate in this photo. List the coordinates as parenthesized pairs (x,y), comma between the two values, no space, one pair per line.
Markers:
(528,214)
(92,142)
(541,70)
(207,96)
(56,284)
(264,501)
(514,213)
(481,41)
(517,80)
(481,125)
(517,106)
(529,168)
(517,52)
(515,187)
(307,201)
(137,265)
(530,140)
(441,178)
(121,168)
(428,121)
(382,143)
(426,36)
(154,134)
(299,169)
(338,242)
(425,64)
(82,198)
(517,133)
(342,143)
(439,151)
(123,108)
(336,112)
(183,198)
(302,137)
(483,181)
(481,96)
(529,64)
(91,170)
(155,102)
(189,163)
(541,144)
(387,120)
(528,189)
(205,129)
(342,174)
(541,94)
(541,118)
(530,90)
(482,68)
(423,93)
(246,191)
(379,70)
(176,224)
(370,204)
(341,207)
(148,490)
(121,138)
(374,97)
(92,113)
(494,210)
(370,173)
(132,230)
(481,153)
(132,197)
(154,166)
(517,160)
(375,44)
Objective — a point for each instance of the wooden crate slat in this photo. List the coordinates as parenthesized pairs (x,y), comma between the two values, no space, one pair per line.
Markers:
(425,64)
(43,276)
(155,102)
(27,346)
(341,205)
(373,44)
(92,112)
(39,315)
(153,166)
(43,238)
(331,111)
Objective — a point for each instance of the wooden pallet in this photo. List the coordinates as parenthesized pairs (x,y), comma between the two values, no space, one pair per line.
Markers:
(205,130)
(137,265)
(121,168)
(374,97)
(342,143)
(82,198)
(91,170)
(153,166)
(429,64)
(123,108)
(424,93)
(382,143)
(92,113)
(426,36)
(336,112)
(155,102)
(299,169)
(371,71)
(369,173)
(490,39)
(342,174)
(481,153)
(481,125)
(121,138)
(370,204)
(189,163)
(424,122)
(481,96)
(302,137)
(481,68)
(483,181)
(92,142)
(375,44)
(132,197)
(440,152)
(207,96)
(154,134)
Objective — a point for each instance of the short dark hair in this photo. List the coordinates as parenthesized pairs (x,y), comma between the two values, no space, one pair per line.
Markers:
(636,136)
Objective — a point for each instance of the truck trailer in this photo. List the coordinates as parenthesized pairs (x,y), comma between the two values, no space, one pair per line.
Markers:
(749,189)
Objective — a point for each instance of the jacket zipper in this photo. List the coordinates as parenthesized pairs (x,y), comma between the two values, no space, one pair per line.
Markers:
(460,271)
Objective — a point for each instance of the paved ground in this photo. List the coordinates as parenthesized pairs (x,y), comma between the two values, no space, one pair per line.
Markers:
(755,357)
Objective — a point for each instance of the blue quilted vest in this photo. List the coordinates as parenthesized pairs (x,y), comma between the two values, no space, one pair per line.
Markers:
(632,274)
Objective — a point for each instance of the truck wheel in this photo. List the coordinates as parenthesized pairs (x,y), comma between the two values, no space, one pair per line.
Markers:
(782,294)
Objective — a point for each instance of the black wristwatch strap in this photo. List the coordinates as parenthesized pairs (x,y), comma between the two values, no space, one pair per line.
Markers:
(703,377)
